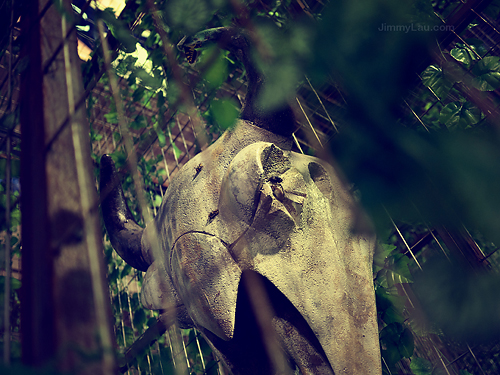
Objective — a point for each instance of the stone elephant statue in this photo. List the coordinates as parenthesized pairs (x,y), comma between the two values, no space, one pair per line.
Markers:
(260,249)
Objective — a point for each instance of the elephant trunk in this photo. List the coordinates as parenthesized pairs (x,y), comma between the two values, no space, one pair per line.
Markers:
(124,233)
(279,119)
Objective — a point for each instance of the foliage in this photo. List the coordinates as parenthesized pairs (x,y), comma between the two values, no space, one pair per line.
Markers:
(461,290)
(395,167)
(391,164)
(447,170)
(396,343)
(420,366)
(15,250)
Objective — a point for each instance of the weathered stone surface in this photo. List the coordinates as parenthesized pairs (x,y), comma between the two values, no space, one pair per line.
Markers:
(248,203)
(263,248)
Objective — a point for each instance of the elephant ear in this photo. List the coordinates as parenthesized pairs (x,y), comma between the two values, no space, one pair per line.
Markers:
(158,293)
(206,278)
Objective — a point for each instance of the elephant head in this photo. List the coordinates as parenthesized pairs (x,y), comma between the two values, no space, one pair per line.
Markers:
(261,248)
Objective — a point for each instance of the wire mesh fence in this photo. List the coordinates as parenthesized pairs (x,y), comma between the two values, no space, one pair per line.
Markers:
(166,134)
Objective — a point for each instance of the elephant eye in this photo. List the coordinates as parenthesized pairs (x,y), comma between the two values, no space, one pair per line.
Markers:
(320,177)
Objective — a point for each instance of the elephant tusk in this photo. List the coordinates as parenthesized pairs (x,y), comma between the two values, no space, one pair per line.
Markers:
(124,233)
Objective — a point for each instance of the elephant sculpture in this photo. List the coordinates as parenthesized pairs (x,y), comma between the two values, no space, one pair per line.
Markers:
(261,246)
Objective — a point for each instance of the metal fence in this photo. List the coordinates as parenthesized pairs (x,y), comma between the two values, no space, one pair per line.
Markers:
(180,137)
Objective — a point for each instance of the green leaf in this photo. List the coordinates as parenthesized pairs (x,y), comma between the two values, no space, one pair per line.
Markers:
(388,278)
(224,113)
(492,10)
(161,99)
(173,92)
(217,71)
(389,305)
(188,15)
(463,55)
(382,251)
(381,279)
(139,319)
(114,274)
(157,201)
(138,123)
(398,271)
(111,117)
(458,115)
(153,39)
(15,283)
(435,78)
(157,56)
(464,372)
(129,62)
(421,366)
(125,271)
(119,29)
(15,218)
(439,371)
(177,151)
(147,79)
(162,140)
(396,343)
(487,72)
(468,52)
(138,94)
(129,336)
(9,120)
(282,78)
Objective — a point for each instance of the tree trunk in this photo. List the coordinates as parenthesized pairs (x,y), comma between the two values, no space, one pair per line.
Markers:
(66,309)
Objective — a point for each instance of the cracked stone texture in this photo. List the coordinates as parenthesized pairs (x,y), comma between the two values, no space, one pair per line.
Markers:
(249,203)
